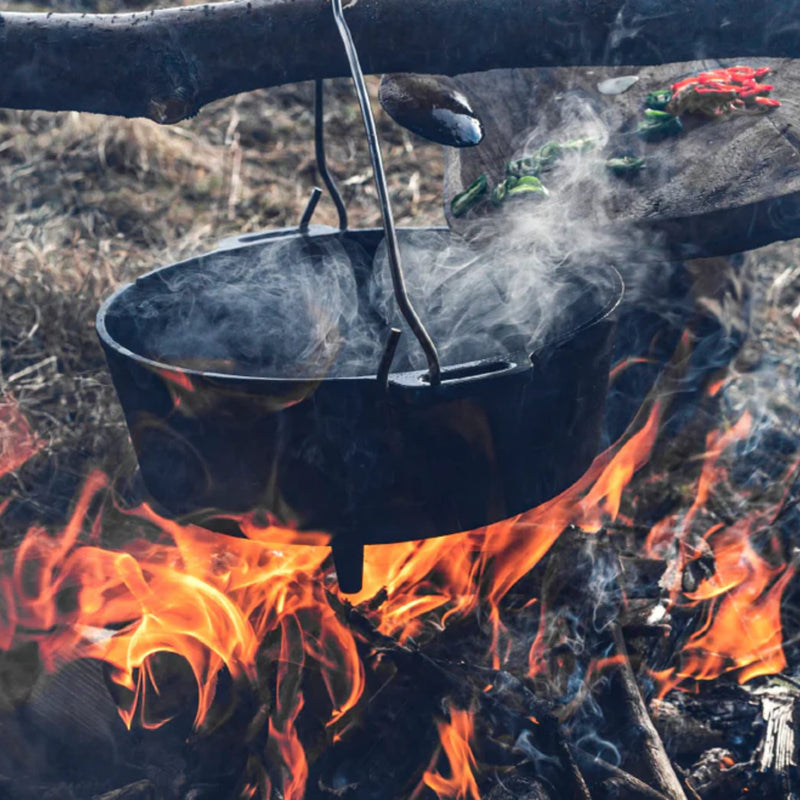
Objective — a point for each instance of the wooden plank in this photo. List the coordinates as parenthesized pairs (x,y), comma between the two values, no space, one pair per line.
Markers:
(720,187)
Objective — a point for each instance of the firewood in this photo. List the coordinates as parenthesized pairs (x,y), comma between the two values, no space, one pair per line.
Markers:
(656,767)
(683,733)
(621,783)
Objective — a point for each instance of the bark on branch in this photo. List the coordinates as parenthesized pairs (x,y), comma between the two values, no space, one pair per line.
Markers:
(166,64)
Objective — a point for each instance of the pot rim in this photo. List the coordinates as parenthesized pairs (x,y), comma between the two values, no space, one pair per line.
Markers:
(256,239)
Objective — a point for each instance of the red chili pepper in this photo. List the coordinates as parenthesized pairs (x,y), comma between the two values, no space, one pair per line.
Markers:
(676,87)
(727,90)
(757,89)
(742,72)
(730,86)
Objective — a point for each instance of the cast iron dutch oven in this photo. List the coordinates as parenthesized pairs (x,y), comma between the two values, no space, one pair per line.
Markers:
(367,460)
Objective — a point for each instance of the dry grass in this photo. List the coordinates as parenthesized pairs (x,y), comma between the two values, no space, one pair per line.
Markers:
(90,202)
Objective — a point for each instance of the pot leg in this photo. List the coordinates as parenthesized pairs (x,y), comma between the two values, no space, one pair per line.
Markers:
(348,559)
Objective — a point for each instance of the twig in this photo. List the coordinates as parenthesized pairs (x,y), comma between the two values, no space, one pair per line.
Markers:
(50,361)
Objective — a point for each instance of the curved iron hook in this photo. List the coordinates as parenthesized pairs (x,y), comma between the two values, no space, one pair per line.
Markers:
(393,250)
(319,153)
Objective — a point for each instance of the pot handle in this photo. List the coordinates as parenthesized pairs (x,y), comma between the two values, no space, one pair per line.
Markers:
(392,247)
(470,372)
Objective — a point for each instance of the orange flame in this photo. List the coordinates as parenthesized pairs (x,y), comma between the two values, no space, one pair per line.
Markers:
(455,736)
(216,601)
(212,599)
(742,629)
(742,626)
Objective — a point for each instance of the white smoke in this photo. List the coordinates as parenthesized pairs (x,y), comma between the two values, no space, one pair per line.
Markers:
(303,307)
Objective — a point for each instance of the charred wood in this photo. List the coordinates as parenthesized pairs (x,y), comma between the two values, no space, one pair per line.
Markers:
(516,788)
(656,766)
(140,790)
(683,733)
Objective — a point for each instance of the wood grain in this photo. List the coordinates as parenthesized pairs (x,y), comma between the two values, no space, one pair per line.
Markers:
(720,187)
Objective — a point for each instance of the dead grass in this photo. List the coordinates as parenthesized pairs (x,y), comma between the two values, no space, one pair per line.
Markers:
(90,202)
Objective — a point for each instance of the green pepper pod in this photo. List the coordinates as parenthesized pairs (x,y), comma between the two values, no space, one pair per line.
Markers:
(529,165)
(528,185)
(658,100)
(624,166)
(470,197)
(653,130)
(655,114)
(500,191)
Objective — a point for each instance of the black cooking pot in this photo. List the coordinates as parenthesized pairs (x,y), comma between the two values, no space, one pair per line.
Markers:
(364,459)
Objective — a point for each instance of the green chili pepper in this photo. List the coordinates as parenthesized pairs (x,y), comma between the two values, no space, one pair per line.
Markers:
(652,113)
(529,165)
(624,166)
(527,185)
(546,157)
(653,130)
(658,100)
(579,145)
(501,190)
(549,153)
(470,197)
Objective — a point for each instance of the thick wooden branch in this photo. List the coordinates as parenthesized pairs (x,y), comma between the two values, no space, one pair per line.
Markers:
(166,64)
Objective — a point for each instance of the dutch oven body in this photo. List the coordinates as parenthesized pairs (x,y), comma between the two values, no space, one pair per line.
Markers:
(364,462)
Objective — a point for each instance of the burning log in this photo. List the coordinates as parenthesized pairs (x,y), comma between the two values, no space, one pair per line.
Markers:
(166,64)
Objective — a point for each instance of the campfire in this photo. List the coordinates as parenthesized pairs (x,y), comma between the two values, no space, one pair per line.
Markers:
(597,601)
(586,648)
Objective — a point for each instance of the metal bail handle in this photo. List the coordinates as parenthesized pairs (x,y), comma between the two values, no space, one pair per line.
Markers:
(393,250)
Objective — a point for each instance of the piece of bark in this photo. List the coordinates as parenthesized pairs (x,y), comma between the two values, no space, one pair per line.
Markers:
(719,187)
(776,753)
(166,64)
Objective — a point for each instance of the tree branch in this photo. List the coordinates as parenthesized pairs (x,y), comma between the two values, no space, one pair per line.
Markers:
(166,64)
